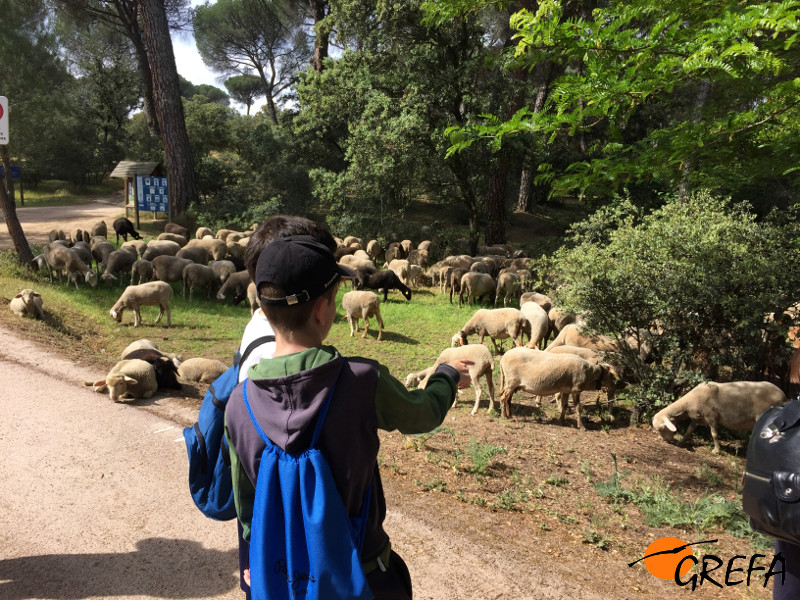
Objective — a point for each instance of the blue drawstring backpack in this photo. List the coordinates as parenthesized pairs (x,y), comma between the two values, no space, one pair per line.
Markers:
(209,460)
(303,544)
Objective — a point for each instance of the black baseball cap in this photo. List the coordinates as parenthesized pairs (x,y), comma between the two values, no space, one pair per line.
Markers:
(301,266)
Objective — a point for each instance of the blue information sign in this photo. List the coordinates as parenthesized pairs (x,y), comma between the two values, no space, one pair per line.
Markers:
(151,193)
(16,172)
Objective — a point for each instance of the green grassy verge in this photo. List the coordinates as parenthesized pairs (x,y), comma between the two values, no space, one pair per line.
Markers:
(61,193)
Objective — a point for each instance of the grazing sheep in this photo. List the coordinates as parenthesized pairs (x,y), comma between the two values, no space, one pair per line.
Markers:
(455,281)
(216,248)
(138,345)
(27,302)
(165,368)
(203,232)
(204,370)
(539,299)
(83,251)
(173,237)
(400,267)
(236,285)
(175,228)
(482,366)
(39,262)
(508,287)
(201,276)
(476,286)
(160,248)
(374,250)
(354,262)
(362,305)
(393,252)
(559,318)
(141,270)
(123,227)
(415,276)
(132,378)
(59,258)
(100,252)
(222,269)
(153,293)
(119,261)
(99,229)
(540,323)
(235,249)
(497,323)
(480,267)
(445,275)
(55,235)
(585,353)
(169,268)
(544,374)
(381,281)
(736,405)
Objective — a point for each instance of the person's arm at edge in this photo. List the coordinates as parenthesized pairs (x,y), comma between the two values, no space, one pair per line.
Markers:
(415,411)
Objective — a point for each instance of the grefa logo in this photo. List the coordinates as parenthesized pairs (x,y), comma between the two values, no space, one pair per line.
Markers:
(671,558)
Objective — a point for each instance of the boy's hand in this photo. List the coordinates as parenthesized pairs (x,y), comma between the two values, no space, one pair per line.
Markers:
(462,366)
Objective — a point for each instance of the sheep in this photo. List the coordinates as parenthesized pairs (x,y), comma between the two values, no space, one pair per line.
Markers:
(123,227)
(362,305)
(571,335)
(203,232)
(381,280)
(139,344)
(153,293)
(204,370)
(393,252)
(407,246)
(175,228)
(27,302)
(343,251)
(559,318)
(355,262)
(544,374)
(351,239)
(416,378)
(400,267)
(195,275)
(217,248)
(83,251)
(160,248)
(498,324)
(235,284)
(99,229)
(539,299)
(235,249)
(39,262)
(539,321)
(169,268)
(101,251)
(480,267)
(476,286)
(141,270)
(173,237)
(132,378)
(445,275)
(222,234)
(482,366)
(585,353)
(455,281)
(509,287)
(55,235)
(62,259)
(415,276)
(166,369)
(222,269)
(736,405)
(139,245)
(119,261)
(374,250)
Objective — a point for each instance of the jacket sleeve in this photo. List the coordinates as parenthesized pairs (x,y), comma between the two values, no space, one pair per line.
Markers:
(415,411)
(244,492)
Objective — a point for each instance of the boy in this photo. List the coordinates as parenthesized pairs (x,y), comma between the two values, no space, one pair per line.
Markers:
(297,280)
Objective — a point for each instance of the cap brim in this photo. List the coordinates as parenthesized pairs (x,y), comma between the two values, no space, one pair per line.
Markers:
(346,272)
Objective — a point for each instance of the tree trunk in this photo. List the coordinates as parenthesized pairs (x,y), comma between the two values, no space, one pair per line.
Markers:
(169,107)
(320,39)
(10,212)
(496,204)
(700,100)
(528,196)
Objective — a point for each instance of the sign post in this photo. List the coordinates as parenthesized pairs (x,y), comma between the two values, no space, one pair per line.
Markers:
(3,120)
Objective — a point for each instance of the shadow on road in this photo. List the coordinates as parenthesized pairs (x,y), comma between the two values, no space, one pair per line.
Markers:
(159,568)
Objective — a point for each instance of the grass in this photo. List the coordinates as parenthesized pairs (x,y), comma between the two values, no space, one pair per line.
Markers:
(60,193)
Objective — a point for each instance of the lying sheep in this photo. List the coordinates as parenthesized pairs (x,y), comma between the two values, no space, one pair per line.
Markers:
(204,370)
(736,405)
(27,303)
(131,378)
(482,366)
(497,323)
(138,345)
(201,276)
(142,271)
(476,286)
(362,305)
(545,374)
(153,293)
(165,368)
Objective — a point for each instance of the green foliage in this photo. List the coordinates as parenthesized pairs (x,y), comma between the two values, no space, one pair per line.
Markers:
(698,274)
(245,89)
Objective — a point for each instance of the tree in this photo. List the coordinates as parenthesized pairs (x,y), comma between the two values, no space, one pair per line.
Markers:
(169,109)
(245,89)
(264,36)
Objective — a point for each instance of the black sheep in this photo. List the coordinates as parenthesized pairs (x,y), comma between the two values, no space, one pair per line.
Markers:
(166,371)
(370,279)
(124,228)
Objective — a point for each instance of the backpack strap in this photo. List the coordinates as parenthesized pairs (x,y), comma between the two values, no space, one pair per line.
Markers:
(787,417)
(264,339)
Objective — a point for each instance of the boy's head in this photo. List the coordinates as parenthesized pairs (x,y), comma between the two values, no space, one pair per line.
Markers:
(292,273)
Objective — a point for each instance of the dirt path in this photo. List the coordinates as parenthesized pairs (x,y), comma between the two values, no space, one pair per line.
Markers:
(98,507)
(37,222)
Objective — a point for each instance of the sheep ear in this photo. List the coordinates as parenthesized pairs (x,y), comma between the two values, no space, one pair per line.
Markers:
(670,425)
(37,295)
(18,296)
(99,386)
(130,379)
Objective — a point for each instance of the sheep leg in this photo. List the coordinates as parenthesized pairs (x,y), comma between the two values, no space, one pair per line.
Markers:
(366,327)
(137,317)
(350,322)
(169,316)
(716,449)
(688,434)
(563,398)
(477,392)
(490,385)
(576,397)
(380,325)
(183,290)
(160,313)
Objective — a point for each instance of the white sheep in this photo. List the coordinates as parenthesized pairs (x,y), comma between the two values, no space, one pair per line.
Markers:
(203,232)
(544,301)
(217,248)
(508,287)
(545,374)
(133,378)
(27,302)
(59,259)
(539,323)
(362,305)
(153,293)
(475,285)
(400,266)
(497,323)
(140,344)
(571,335)
(204,370)
(736,405)
(482,366)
